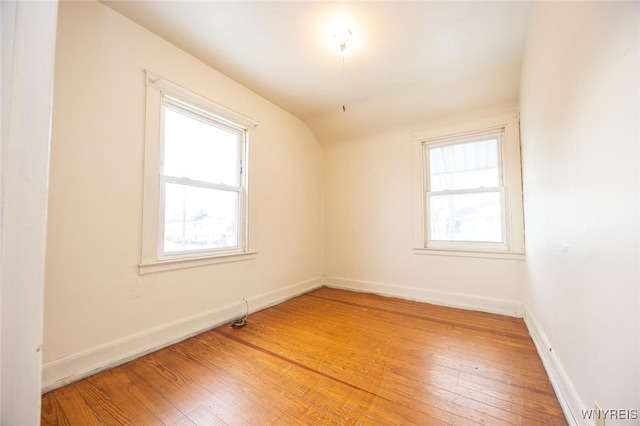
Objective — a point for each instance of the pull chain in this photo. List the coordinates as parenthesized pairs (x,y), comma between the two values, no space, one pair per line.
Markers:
(343,37)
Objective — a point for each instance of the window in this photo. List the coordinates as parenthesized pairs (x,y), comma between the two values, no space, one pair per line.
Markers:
(465,191)
(471,197)
(196,199)
(201,187)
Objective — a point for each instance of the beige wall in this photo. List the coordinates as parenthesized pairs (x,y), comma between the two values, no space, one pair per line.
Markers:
(347,211)
(370,195)
(580,157)
(97,307)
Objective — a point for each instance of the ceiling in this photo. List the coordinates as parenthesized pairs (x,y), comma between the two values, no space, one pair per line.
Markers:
(409,63)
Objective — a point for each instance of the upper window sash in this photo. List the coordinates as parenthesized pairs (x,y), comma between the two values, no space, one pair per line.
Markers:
(429,145)
(208,119)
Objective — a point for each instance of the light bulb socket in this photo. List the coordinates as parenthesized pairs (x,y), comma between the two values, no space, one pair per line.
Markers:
(342,37)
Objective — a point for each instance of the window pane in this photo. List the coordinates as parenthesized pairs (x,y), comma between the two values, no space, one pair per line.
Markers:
(464,166)
(198,150)
(466,217)
(199,218)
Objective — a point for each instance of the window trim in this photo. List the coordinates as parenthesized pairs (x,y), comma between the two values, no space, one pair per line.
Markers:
(427,145)
(511,181)
(160,93)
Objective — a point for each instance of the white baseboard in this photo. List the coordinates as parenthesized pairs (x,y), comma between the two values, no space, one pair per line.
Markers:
(69,369)
(455,300)
(66,370)
(565,392)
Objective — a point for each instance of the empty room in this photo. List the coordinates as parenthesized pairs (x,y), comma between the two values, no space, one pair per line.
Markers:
(300,212)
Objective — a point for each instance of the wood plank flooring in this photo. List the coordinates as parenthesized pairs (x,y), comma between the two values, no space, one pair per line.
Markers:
(327,357)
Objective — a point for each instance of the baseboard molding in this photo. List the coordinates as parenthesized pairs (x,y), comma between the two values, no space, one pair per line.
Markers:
(69,369)
(565,392)
(66,370)
(455,300)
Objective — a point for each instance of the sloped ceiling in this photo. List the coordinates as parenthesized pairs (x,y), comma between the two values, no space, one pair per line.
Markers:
(409,63)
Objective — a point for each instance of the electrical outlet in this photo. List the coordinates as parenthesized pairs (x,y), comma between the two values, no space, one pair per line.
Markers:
(599,415)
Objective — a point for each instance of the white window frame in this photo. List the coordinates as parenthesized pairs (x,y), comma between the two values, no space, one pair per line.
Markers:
(161,94)
(510,187)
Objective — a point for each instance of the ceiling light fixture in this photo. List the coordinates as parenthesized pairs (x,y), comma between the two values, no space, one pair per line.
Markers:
(343,37)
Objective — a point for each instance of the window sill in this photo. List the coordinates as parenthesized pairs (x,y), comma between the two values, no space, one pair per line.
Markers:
(193,262)
(469,253)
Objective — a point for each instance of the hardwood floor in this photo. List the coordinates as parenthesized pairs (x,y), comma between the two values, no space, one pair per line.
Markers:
(327,357)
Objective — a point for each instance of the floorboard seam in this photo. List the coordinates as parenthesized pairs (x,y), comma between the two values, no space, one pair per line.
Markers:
(296,363)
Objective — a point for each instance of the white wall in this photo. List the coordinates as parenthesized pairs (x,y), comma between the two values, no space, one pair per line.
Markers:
(580,136)
(98,309)
(370,195)
(28,43)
